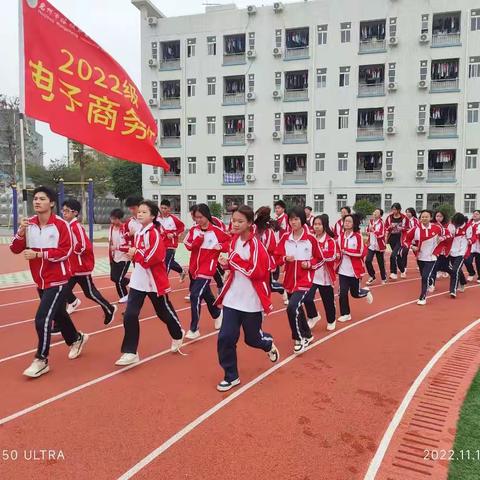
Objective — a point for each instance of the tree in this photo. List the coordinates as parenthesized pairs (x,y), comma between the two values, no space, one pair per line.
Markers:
(216,209)
(126,179)
(364,208)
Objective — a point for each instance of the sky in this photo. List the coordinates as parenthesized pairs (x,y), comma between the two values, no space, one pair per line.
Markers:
(113,24)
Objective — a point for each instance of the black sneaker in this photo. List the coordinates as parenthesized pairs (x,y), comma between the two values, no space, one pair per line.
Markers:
(110,316)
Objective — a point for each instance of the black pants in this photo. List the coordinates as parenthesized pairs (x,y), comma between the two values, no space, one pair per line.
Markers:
(395,261)
(296,315)
(276,274)
(275,286)
(328,300)
(229,334)
(427,271)
(53,306)
(118,270)
(170,262)
(403,258)
(219,272)
(352,285)
(381,263)
(456,273)
(164,310)
(90,291)
(200,290)
(441,265)
(474,258)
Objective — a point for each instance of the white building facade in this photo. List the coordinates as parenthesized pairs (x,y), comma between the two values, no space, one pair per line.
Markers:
(318,103)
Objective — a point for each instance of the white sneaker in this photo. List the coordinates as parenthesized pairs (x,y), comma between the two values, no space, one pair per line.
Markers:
(285,298)
(192,335)
(344,318)
(478,281)
(453,295)
(218,321)
(331,326)
(403,275)
(77,347)
(123,299)
(313,321)
(299,346)
(461,288)
(445,274)
(393,276)
(308,341)
(176,344)
(384,282)
(470,278)
(369,298)
(273,354)
(370,281)
(187,298)
(128,359)
(223,386)
(71,307)
(421,302)
(431,288)
(37,368)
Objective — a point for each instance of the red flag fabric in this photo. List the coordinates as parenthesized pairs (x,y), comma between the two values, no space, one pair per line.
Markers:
(71,83)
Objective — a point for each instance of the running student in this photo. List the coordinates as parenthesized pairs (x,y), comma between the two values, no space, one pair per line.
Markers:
(82,262)
(376,246)
(413,222)
(245,297)
(299,252)
(338,227)
(149,279)
(133,225)
(424,241)
(324,278)
(205,241)
(351,266)
(283,226)
(396,226)
(310,217)
(118,246)
(441,265)
(46,242)
(173,227)
(474,257)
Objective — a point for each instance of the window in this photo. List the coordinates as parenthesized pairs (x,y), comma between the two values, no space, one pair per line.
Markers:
(470,200)
(251,123)
(319,163)
(423,69)
(191,47)
(321,119)
(276,164)
(211,165)
(318,203)
(211,125)
(387,206)
(278,38)
(211,45)
(251,82)
(472,112)
(211,85)
(192,126)
(321,77)
(474,67)
(192,200)
(420,159)
(278,122)
(191,87)
(475,20)
(192,165)
(342,162)
(344,80)
(211,199)
(345,32)
(154,89)
(419,202)
(471,158)
(322,34)
(250,164)
(341,202)
(250,201)
(343,119)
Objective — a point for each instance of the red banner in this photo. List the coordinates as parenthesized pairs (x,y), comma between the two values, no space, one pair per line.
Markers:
(71,83)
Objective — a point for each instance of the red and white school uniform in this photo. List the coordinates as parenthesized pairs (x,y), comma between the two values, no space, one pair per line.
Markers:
(376,235)
(352,252)
(396,228)
(338,228)
(172,225)
(82,261)
(132,226)
(283,225)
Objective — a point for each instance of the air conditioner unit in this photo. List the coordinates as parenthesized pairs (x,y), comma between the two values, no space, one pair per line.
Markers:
(424,38)
(277,7)
(154,178)
(277,94)
(276,135)
(275,177)
(251,177)
(153,102)
(393,41)
(392,86)
(251,54)
(153,62)
(250,136)
(420,174)
(251,9)
(391,131)
(422,84)
(152,20)
(277,51)
(389,175)
(251,96)
(421,129)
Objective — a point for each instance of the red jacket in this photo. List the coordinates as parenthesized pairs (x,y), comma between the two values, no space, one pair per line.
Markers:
(171,225)
(54,240)
(150,255)
(124,242)
(204,257)
(403,226)
(328,248)
(132,225)
(451,232)
(257,268)
(283,224)
(82,261)
(269,241)
(377,228)
(217,222)
(338,228)
(444,246)
(304,249)
(354,247)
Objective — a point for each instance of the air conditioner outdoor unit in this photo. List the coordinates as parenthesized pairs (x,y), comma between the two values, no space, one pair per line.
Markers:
(275,177)
(277,51)
(392,86)
(153,102)
(389,175)
(152,20)
(421,129)
(250,136)
(251,9)
(278,7)
(251,54)
(420,174)
(276,135)
(251,96)
(424,38)
(153,62)
(391,131)
(154,178)
(393,41)
(277,94)
(251,177)
(422,84)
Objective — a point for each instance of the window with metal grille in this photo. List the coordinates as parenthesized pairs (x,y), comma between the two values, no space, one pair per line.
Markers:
(470,203)
(191,126)
(474,67)
(319,203)
(471,158)
(341,201)
(472,112)
(251,41)
(321,77)
(423,69)
(390,116)
(475,20)
(192,165)
(278,122)
(387,202)
(154,89)
(191,47)
(391,72)
(420,159)
(211,164)
(321,119)
(251,123)
(211,84)
(419,202)
(250,164)
(425,23)
(345,32)
(211,121)
(154,50)
(191,87)
(276,164)
(322,34)
(211,45)
(422,114)
(342,162)
(344,79)
(343,119)
(278,38)
(319,162)
(251,82)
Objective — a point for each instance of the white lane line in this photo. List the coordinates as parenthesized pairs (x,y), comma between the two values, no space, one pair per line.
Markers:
(397,418)
(199,420)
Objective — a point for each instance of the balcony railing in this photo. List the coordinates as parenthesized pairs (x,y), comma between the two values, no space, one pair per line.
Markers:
(445,39)
(170,141)
(234,138)
(297,94)
(297,136)
(371,90)
(441,175)
(444,85)
(234,178)
(170,64)
(170,179)
(443,131)
(372,45)
(369,176)
(297,52)
(170,102)
(233,58)
(370,133)
(234,98)
(298,177)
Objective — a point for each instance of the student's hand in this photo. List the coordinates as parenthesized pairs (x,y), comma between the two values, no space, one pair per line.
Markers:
(131,252)
(414,248)
(305,265)
(217,247)
(30,254)
(289,258)
(223,261)
(170,235)
(23,226)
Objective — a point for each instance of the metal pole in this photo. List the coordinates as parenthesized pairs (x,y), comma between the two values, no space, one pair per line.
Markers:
(15,208)
(61,193)
(90,209)
(24,169)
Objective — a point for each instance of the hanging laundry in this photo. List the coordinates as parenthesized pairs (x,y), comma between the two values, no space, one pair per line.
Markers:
(236,85)
(297,38)
(370,118)
(372,75)
(296,81)
(235,44)
(446,24)
(171,50)
(372,31)
(295,122)
(445,70)
(443,115)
